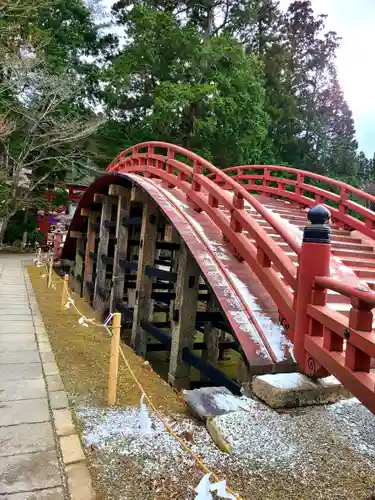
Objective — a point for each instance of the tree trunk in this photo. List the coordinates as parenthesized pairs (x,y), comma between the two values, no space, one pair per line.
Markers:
(3,226)
(24,236)
(4,221)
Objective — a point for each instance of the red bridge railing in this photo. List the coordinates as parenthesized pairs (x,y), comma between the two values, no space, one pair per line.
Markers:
(178,167)
(346,203)
(325,342)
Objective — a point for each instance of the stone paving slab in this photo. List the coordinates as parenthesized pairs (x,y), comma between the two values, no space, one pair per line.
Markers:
(13,313)
(19,371)
(27,472)
(71,449)
(19,357)
(25,411)
(54,383)
(50,494)
(22,389)
(59,400)
(15,299)
(47,357)
(15,327)
(19,299)
(29,438)
(44,347)
(79,481)
(50,369)
(8,320)
(63,422)
(25,344)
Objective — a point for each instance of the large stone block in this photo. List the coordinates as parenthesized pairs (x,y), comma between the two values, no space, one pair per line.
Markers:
(289,390)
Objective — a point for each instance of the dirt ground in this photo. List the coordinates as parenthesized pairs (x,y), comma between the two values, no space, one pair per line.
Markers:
(325,453)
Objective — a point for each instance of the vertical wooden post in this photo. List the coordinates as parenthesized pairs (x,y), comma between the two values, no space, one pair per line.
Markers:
(211,335)
(171,234)
(134,235)
(360,318)
(136,197)
(184,317)
(101,267)
(90,247)
(79,265)
(143,302)
(50,266)
(314,260)
(113,361)
(121,247)
(77,268)
(64,294)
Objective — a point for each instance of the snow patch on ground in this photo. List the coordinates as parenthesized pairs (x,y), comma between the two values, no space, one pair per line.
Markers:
(118,431)
(293,380)
(306,448)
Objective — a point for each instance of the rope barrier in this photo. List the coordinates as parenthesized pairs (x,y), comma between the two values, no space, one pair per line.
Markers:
(84,321)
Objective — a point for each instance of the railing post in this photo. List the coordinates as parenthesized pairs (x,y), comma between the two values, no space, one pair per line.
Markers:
(360,318)
(314,260)
(298,191)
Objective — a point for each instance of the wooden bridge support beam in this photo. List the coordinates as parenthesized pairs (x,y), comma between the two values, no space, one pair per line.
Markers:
(171,234)
(90,247)
(121,246)
(78,267)
(146,257)
(107,202)
(136,196)
(211,335)
(184,317)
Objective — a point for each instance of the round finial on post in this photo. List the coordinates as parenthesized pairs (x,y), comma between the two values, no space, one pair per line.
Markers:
(318,231)
(319,215)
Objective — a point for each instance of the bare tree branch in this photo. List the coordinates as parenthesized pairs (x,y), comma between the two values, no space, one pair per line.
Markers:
(43,132)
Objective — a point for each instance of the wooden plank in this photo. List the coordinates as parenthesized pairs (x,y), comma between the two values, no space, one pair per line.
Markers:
(101,266)
(183,318)
(90,249)
(143,303)
(121,247)
(79,267)
(211,335)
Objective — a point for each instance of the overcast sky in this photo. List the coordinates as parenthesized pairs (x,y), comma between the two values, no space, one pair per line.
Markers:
(354,21)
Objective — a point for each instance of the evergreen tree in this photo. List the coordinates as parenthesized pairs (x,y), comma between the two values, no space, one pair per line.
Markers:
(168,83)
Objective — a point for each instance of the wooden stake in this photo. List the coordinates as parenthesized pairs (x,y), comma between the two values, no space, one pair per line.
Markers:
(64,295)
(113,361)
(49,279)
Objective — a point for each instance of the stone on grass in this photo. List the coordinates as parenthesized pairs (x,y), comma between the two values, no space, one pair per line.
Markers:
(212,401)
(290,390)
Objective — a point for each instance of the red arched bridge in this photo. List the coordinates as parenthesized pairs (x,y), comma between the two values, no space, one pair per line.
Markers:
(201,261)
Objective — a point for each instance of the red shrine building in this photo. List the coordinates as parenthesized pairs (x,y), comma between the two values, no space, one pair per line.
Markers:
(54,222)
